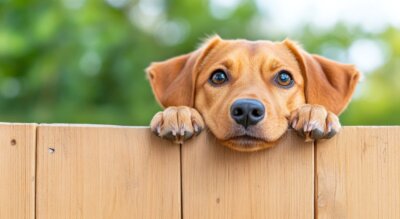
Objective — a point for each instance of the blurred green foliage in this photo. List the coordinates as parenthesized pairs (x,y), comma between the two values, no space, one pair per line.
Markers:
(78,61)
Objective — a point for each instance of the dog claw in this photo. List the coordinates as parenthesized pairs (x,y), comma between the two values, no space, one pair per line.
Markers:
(197,129)
(308,139)
(179,141)
(158,130)
(305,127)
(317,133)
(329,127)
(331,134)
(310,126)
(294,123)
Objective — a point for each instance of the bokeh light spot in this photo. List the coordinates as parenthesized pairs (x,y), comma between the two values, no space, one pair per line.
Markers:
(90,63)
(10,87)
(367,55)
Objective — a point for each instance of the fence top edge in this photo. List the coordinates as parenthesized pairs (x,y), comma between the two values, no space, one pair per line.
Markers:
(78,125)
(17,124)
(370,126)
(72,125)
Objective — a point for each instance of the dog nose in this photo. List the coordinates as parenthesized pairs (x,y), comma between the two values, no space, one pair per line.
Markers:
(247,112)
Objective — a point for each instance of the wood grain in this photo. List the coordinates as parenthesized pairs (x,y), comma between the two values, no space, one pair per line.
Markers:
(106,172)
(358,174)
(17,170)
(87,171)
(221,183)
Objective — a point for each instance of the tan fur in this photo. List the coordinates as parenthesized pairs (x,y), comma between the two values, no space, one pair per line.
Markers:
(322,90)
(331,83)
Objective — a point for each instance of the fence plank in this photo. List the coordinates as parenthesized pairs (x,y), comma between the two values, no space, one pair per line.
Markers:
(358,174)
(106,172)
(17,170)
(221,183)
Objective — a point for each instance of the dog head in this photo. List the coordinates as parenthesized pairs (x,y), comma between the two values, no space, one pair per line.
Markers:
(246,90)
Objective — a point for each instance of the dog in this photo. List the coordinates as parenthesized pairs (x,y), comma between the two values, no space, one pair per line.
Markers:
(249,93)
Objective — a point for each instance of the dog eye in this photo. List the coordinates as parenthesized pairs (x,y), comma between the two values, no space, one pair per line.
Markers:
(284,79)
(218,77)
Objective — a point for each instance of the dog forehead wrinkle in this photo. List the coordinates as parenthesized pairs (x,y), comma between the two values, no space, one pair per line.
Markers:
(235,53)
(210,51)
(274,64)
(228,63)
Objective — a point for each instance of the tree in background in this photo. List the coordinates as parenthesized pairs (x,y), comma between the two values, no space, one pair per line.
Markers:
(83,61)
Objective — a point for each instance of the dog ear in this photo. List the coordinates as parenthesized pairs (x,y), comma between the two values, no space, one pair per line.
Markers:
(173,81)
(327,83)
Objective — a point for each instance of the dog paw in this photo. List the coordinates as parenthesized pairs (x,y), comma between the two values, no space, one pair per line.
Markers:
(314,122)
(177,123)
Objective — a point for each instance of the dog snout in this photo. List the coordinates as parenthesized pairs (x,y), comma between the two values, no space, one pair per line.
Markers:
(247,112)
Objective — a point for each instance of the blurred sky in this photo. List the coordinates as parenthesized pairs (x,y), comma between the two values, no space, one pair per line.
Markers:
(288,17)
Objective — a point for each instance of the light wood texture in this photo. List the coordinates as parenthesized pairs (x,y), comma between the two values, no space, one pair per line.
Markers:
(17,170)
(358,174)
(106,172)
(221,183)
(88,171)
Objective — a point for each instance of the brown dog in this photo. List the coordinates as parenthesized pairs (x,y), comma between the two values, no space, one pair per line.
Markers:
(249,92)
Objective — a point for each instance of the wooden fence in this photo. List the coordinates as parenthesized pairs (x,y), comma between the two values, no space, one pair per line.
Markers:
(87,171)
